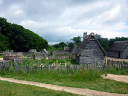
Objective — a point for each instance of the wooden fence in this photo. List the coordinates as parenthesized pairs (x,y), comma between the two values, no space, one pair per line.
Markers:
(68,68)
(61,57)
(115,59)
(19,66)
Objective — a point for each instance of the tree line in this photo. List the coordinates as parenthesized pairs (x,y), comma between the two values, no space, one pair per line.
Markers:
(105,42)
(16,37)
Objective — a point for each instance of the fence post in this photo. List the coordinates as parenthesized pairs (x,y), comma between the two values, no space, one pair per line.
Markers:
(67,68)
(41,67)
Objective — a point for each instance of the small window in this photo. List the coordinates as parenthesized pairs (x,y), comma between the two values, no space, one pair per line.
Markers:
(118,54)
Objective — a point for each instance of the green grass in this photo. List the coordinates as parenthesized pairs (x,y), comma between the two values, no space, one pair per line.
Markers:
(13,89)
(90,79)
(49,62)
(116,71)
(1,56)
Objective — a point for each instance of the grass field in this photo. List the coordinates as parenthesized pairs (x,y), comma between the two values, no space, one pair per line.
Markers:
(12,89)
(90,79)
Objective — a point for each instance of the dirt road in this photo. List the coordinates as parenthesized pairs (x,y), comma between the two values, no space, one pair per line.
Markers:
(121,78)
(79,91)
(1,59)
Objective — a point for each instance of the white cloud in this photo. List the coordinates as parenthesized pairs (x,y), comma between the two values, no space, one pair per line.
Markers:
(61,20)
(16,10)
(52,43)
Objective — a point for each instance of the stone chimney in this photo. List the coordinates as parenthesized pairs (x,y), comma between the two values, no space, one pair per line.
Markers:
(84,35)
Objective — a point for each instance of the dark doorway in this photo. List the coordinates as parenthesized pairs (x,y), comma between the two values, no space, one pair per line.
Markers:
(118,54)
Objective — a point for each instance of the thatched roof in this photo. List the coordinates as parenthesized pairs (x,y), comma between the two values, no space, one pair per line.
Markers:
(66,48)
(73,49)
(60,52)
(33,50)
(44,51)
(119,46)
(86,41)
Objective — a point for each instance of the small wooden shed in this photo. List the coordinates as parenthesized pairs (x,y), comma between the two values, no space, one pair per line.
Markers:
(90,51)
(119,49)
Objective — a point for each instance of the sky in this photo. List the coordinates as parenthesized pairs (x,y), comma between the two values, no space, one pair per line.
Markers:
(61,20)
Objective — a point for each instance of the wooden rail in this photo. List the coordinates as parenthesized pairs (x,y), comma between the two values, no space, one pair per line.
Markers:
(115,59)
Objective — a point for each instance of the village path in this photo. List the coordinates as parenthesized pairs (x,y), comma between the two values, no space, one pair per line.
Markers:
(1,59)
(78,91)
(121,78)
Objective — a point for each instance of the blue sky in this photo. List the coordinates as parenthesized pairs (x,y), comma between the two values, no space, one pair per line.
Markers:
(61,20)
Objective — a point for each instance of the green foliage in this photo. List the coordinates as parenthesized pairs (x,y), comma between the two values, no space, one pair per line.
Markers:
(52,61)
(17,38)
(117,39)
(4,43)
(103,41)
(62,61)
(70,44)
(31,63)
(76,40)
(60,46)
(116,71)
(1,56)
(51,49)
(26,62)
(106,43)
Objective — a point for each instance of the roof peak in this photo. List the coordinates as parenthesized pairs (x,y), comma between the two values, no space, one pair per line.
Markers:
(121,41)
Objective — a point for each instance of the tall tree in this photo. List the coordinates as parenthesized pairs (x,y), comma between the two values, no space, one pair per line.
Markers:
(77,40)
(103,41)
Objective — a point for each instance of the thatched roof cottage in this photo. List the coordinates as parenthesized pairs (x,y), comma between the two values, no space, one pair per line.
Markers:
(119,49)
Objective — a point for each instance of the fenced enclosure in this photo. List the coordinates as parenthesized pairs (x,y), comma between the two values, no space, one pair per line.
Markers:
(19,67)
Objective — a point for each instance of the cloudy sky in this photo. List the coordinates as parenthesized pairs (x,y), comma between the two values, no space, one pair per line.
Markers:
(61,20)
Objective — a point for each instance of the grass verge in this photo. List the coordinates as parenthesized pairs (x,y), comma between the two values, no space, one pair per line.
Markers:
(116,71)
(90,79)
(12,89)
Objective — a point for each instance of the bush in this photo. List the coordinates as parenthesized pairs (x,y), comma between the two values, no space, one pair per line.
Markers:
(52,61)
(62,61)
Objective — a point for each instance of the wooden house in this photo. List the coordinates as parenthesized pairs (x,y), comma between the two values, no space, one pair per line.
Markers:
(73,49)
(119,49)
(60,53)
(90,51)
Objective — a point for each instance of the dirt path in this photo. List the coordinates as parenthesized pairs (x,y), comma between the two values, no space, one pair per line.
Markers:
(1,59)
(121,78)
(79,91)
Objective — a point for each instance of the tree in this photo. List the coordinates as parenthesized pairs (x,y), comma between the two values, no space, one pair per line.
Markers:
(19,38)
(103,41)
(70,44)
(117,39)
(4,43)
(76,40)
(60,46)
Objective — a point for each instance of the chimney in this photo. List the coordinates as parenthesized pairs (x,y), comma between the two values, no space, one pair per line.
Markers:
(92,33)
(84,35)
